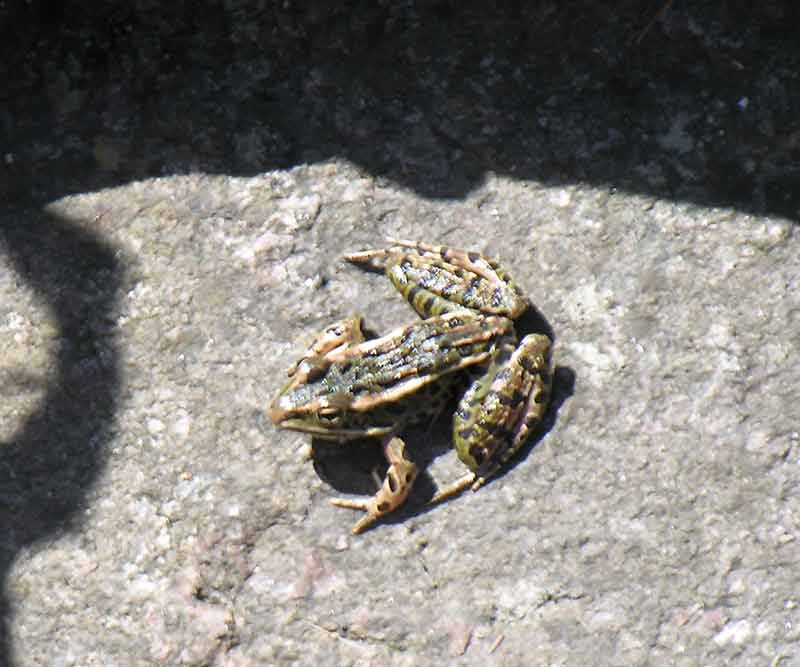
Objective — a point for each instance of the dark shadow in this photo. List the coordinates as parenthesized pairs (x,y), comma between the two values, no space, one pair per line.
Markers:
(351,468)
(435,95)
(49,466)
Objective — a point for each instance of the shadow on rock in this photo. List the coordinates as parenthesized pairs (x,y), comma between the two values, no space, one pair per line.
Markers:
(698,105)
(50,464)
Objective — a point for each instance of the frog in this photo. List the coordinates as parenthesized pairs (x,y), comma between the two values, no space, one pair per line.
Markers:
(346,387)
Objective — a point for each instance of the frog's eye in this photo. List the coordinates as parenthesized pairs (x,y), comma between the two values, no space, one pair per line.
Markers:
(330,417)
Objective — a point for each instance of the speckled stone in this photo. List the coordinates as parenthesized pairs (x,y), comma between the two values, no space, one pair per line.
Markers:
(174,238)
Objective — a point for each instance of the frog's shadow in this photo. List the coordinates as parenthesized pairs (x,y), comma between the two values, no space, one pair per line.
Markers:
(354,467)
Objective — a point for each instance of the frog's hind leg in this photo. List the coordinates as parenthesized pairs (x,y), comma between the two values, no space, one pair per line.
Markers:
(437,279)
(499,410)
(393,492)
(492,288)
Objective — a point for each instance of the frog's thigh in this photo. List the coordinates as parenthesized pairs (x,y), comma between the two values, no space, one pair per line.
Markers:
(457,279)
(424,301)
(395,488)
(473,262)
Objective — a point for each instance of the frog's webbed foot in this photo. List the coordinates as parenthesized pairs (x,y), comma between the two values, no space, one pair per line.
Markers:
(393,492)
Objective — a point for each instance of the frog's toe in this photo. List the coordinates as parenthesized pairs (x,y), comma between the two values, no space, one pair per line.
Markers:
(368,506)
(454,488)
(376,508)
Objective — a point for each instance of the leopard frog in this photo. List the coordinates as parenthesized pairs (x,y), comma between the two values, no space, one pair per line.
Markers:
(344,387)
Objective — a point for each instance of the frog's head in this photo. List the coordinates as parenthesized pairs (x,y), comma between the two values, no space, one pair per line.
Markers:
(306,401)
(292,409)
(321,424)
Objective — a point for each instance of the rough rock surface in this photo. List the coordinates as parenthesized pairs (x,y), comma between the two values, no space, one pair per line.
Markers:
(153,516)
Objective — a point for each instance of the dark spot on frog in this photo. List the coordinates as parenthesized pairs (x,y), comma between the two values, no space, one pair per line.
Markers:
(503,354)
(465,350)
(528,364)
(477,453)
(466,433)
(473,286)
(497,297)
(463,412)
(505,399)
(498,431)
(531,420)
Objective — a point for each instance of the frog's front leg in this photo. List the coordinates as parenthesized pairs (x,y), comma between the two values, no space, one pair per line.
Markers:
(393,492)
(338,336)
(498,411)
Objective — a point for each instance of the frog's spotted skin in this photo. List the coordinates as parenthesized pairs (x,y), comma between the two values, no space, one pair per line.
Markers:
(344,387)
(437,279)
(337,336)
(370,388)
(497,412)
